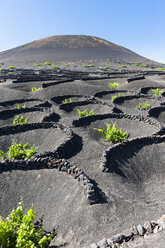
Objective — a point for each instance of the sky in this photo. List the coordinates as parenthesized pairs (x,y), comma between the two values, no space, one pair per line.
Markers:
(138,25)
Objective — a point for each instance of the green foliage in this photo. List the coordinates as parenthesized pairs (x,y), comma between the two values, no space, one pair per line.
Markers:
(47,63)
(19,151)
(136,64)
(18,106)
(115,96)
(19,230)
(114,85)
(36,89)
(54,67)
(123,66)
(85,113)
(142,65)
(12,67)
(160,69)
(157,92)
(91,65)
(39,64)
(113,134)
(19,119)
(2,155)
(108,59)
(66,101)
(106,67)
(144,106)
(66,64)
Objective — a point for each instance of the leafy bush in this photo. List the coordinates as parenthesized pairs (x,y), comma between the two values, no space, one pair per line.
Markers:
(66,101)
(115,96)
(47,63)
(54,67)
(12,67)
(144,106)
(123,66)
(160,69)
(18,106)
(2,155)
(36,89)
(157,92)
(113,134)
(66,64)
(142,65)
(114,85)
(39,64)
(108,59)
(91,65)
(85,113)
(106,67)
(19,119)
(20,231)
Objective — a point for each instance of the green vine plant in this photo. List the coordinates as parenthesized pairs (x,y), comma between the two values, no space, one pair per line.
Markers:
(22,231)
(19,119)
(114,85)
(115,96)
(18,106)
(19,151)
(143,106)
(66,101)
(85,112)
(113,134)
(36,89)
(157,92)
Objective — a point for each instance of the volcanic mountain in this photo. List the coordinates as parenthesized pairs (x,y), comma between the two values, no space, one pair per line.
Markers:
(68,48)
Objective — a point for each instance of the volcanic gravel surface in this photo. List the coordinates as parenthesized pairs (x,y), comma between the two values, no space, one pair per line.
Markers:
(126,180)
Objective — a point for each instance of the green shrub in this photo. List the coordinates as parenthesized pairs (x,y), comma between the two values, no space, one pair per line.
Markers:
(66,64)
(19,151)
(91,65)
(142,65)
(85,113)
(20,231)
(106,67)
(115,96)
(114,85)
(54,67)
(123,66)
(12,67)
(108,59)
(36,89)
(157,92)
(47,63)
(136,64)
(2,155)
(160,69)
(18,106)
(113,134)
(19,119)
(39,64)
(144,106)
(66,101)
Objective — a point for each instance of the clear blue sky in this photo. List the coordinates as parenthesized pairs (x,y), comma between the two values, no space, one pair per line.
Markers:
(136,24)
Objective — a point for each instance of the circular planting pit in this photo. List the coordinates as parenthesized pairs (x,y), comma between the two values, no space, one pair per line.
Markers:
(43,135)
(107,95)
(15,104)
(73,98)
(158,113)
(129,104)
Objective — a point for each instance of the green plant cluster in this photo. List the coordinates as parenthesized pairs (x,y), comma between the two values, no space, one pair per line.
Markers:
(157,92)
(91,65)
(107,67)
(36,89)
(20,231)
(160,69)
(18,106)
(12,67)
(47,63)
(66,64)
(19,151)
(123,66)
(142,65)
(115,96)
(85,112)
(114,85)
(39,64)
(54,67)
(143,106)
(113,134)
(19,119)
(66,101)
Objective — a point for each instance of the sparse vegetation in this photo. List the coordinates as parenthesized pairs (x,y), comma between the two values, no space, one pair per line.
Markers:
(157,92)
(91,65)
(106,67)
(19,151)
(113,134)
(108,59)
(12,67)
(66,64)
(160,69)
(123,66)
(19,119)
(115,96)
(114,85)
(85,113)
(142,65)
(19,230)
(18,106)
(47,63)
(54,67)
(66,101)
(39,64)
(143,106)
(36,89)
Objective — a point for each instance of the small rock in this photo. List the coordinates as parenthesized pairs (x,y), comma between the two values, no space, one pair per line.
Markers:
(148,226)
(93,245)
(102,243)
(119,238)
(161,223)
(141,230)
(155,230)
